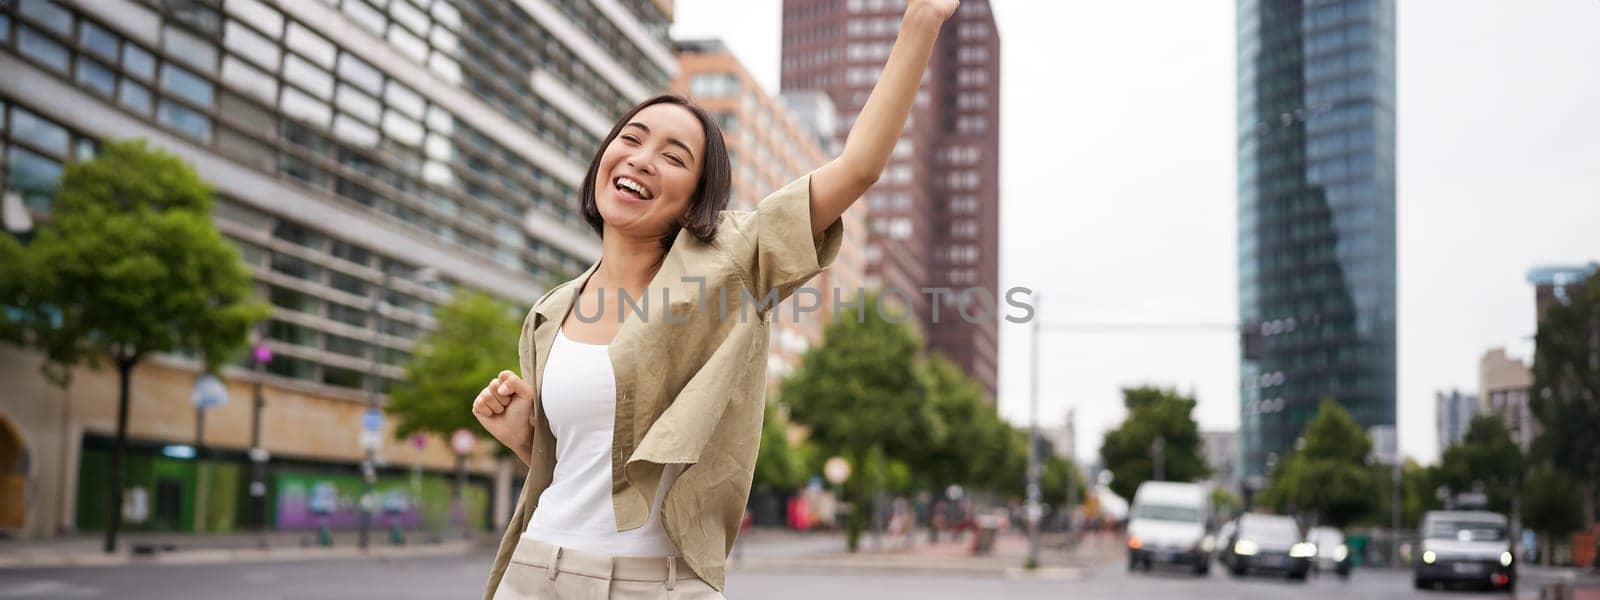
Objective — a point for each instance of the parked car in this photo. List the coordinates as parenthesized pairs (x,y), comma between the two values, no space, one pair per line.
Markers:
(1465,546)
(1261,543)
(1332,553)
(1170,524)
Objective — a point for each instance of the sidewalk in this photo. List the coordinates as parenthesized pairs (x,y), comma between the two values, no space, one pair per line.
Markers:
(138,548)
(768,550)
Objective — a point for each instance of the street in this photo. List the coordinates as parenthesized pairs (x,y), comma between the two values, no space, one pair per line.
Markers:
(462,576)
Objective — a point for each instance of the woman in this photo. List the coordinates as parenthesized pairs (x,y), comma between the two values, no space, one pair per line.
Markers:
(641,410)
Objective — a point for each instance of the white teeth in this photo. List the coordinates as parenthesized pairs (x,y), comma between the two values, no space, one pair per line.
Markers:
(635,186)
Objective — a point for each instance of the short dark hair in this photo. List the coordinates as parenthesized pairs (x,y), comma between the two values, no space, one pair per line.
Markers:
(710,195)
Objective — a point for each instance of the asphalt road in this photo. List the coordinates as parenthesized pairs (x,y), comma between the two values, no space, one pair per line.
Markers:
(462,577)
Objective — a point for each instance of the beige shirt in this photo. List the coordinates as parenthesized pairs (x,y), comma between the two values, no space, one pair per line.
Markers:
(690,369)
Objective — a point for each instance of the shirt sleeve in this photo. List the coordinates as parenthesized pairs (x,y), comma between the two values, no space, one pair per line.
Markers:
(774,248)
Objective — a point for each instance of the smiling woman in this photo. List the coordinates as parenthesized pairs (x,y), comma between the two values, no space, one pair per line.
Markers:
(641,441)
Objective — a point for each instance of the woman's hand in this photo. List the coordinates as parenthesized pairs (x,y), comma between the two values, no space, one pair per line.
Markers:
(504,407)
(938,9)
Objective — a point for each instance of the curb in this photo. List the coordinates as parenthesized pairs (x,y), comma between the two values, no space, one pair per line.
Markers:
(224,556)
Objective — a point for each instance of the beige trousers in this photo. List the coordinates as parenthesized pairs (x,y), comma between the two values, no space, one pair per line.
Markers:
(541,571)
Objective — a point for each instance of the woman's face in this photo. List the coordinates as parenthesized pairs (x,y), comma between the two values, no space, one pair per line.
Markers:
(649,171)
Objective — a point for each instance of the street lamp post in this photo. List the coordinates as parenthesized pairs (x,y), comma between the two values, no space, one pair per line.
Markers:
(369,438)
(258,455)
(461,441)
(1033,439)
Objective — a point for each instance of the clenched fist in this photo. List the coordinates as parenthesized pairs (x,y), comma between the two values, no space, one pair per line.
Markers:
(937,9)
(504,407)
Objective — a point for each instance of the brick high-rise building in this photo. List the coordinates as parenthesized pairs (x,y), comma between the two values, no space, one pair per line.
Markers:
(935,210)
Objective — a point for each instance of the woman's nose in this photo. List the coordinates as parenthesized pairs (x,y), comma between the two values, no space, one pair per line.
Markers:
(642,164)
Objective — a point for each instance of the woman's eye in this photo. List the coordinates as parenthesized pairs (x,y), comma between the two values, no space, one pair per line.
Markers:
(675,160)
(630,139)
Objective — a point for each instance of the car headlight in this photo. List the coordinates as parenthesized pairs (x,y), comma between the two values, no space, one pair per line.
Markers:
(1134,542)
(1341,553)
(1303,550)
(1505,559)
(1208,543)
(1429,557)
(1245,548)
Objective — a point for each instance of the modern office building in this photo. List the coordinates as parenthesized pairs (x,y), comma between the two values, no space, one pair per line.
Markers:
(935,210)
(1222,454)
(1453,412)
(768,147)
(1316,210)
(432,144)
(1503,384)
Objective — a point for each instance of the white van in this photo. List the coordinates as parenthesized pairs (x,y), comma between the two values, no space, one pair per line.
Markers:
(1170,522)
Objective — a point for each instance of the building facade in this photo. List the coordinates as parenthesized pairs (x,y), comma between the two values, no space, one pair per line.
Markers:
(364,154)
(1316,198)
(1503,384)
(935,209)
(767,148)
(1453,412)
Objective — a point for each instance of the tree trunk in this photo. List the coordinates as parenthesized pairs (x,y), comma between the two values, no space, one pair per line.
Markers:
(114,506)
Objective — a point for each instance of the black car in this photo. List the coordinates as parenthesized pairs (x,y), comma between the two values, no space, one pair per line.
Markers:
(1259,543)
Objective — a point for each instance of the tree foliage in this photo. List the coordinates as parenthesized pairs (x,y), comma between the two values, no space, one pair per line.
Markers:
(1327,476)
(1550,503)
(474,341)
(1487,457)
(1566,389)
(1153,413)
(977,447)
(780,465)
(130,265)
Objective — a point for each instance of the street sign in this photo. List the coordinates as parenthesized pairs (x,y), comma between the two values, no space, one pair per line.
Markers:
(208,392)
(260,455)
(419,441)
(837,470)
(263,353)
(372,420)
(462,441)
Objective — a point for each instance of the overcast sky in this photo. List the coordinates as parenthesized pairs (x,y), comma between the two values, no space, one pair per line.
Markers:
(1118,197)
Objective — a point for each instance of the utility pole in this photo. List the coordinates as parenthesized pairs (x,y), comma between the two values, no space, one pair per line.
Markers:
(258,454)
(369,438)
(1033,437)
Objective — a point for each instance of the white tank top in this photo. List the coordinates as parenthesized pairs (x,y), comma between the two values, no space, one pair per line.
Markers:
(580,402)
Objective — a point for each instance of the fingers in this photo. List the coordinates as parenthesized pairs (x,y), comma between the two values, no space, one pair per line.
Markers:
(511,386)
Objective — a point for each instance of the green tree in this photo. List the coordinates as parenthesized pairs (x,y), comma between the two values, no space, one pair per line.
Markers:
(1328,475)
(1486,456)
(1550,505)
(1129,450)
(129,266)
(863,394)
(1566,390)
(452,363)
(976,444)
(780,465)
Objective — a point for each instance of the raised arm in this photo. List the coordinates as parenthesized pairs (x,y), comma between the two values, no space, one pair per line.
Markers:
(839,183)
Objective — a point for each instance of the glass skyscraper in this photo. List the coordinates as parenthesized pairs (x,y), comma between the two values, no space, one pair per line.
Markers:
(1316,139)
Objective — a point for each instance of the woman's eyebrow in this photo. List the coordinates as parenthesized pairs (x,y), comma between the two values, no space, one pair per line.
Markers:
(674,141)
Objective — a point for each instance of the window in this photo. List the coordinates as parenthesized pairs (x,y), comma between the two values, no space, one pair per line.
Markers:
(298,105)
(401,129)
(184,119)
(98,41)
(347,314)
(364,15)
(298,71)
(713,85)
(342,377)
(34,176)
(188,86)
(410,16)
(41,133)
(294,267)
(361,74)
(135,97)
(96,77)
(189,48)
(408,44)
(48,14)
(251,45)
(40,47)
(289,332)
(249,79)
(291,299)
(351,252)
(358,104)
(311,45)
(138,62)
(288,366)
(403,99)
(354,132)
(339,344)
